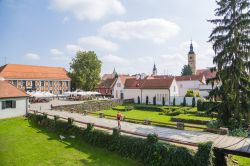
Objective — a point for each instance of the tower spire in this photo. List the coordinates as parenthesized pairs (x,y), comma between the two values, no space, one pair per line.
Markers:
(191,51)
(154,73)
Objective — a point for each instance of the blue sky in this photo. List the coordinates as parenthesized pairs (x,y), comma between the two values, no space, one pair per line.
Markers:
(129,35)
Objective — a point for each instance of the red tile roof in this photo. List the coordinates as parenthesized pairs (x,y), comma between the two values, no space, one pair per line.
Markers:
(189,78)
(206,72)
(9,91)
(124,77)
(17,71)
(108,83)
(149,83)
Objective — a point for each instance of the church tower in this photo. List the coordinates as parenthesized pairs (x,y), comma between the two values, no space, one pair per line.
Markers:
(154,73)
(192,59)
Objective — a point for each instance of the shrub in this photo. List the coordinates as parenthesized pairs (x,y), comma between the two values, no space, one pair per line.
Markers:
(184,102)
(193,121)
(174,101)
(163,101)
(193,102)
(152,138)
(205,155)
(123,108)
(138,100)
(206,105)
(147,100)
(154,100)
(214,124)
(238,132)
(148,108)
(174,111)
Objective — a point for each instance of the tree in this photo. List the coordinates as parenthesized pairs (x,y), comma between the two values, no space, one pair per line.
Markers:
(147,100)
(184,102)
(231,44)
(85,70)
(193,102)
(186,70)
(138,100)
(190,93)
(154,100)
(163,101)
(174,101)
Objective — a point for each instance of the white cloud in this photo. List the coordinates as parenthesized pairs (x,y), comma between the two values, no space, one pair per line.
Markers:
(65,20)
(72,48)
(88,9)
(56,52)
(95,42)
(114,59)
(158,30)
(32,56)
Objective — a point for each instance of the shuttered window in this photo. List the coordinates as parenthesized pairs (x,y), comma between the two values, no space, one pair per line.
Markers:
(8,104)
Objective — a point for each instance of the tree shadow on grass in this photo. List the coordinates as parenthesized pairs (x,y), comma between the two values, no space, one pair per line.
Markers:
(96,156)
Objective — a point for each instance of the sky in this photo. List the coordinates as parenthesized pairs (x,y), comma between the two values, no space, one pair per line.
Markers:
(128,35)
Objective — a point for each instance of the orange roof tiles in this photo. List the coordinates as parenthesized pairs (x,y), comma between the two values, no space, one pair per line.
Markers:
(9,91)
(189,78)
(108,83)
(17,71)
(206,72)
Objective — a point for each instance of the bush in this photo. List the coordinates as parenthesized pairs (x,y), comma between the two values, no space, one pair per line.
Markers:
(147,100)
(123,108)
(184,102)
(154,100)
(148,108)
(138,100)
(174,101)
(206,105)
(163,101)
(193,121)
(214,124)
(193,102)
(190,93)
(174,111)
(238,132)
(149,151)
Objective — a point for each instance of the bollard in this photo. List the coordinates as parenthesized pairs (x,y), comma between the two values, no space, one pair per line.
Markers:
(180,125)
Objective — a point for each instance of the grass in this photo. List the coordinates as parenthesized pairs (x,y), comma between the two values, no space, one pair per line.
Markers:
(243,161)
(195,117)
(23,144)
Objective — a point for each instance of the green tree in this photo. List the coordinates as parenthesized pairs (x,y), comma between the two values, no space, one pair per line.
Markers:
(190,93)
(163,101)
(193,102)
(231,43)
(186,70)
(174,101)
(184,102)
(85,70)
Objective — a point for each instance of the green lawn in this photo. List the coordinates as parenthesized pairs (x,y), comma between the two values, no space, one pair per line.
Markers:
(24,145)
(243,161)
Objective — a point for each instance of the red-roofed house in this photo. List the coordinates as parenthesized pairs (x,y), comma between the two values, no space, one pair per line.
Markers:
(149,87)
(118,89)
(106,87)
(13,101)
(191,82)
(37,78)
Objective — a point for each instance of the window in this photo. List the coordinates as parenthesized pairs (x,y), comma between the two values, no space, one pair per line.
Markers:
(190,57)
(51,91)
(67,83)
(24,83)
(50,83)
(60,83)
(42,83)
(60,92)
(8,104)
(33,84)
(14,82)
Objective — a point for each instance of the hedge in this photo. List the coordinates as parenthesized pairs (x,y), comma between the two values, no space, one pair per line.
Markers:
(148,108)
(206,105)
(123,108)
(193,121)
(148,151)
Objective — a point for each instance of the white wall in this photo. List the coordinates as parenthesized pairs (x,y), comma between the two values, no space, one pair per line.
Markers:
(158,93)
(184,86)
(13,112)
(174,89)
(117,90)
(179,100)
(132,94)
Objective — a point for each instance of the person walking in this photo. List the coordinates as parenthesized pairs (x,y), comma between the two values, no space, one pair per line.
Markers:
(119,118)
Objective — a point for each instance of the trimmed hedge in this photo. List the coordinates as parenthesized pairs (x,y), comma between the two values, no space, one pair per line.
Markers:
(149,151)
(174,111)
(148,108)
(123,108)
(206,105)
(193,121)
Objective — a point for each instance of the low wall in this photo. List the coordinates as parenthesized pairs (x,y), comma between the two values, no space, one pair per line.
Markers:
(89,106)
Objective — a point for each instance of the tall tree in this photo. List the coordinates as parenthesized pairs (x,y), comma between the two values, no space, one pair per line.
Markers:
(186,70)
(231,43)
(85,70)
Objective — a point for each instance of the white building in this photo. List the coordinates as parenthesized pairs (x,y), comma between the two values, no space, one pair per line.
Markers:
(146,89)
(191,82)
(13,101)
(118,89)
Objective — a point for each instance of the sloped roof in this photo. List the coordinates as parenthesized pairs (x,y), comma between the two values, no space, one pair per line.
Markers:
(108,83)
(149,83)
(206,72)
(189,78)
(18,71)
(9,91)
(124,77)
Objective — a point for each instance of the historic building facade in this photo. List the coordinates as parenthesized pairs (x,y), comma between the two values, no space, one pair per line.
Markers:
(37,78)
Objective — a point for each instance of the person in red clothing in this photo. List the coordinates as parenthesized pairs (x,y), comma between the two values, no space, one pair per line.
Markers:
(119,118)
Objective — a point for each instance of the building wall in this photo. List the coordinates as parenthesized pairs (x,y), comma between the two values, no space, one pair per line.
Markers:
(105,91)
(132,94)
(174,89)
(158,93)
(53,86)
(184,86)
(118,89)
(192,62)
(13,112)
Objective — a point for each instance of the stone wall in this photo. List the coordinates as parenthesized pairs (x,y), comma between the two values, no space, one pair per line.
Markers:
(89,106)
